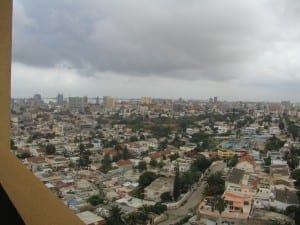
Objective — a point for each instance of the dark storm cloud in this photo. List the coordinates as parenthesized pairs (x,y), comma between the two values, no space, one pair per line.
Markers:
(192,39)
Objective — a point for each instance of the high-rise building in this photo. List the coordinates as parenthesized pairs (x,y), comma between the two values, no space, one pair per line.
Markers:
(37,100)
(76,103)
(85,100)
(215,99)
(60,99)
(146,100)
(97,100)
(109,102)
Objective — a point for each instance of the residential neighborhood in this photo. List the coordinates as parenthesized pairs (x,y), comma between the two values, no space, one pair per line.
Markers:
(140,161)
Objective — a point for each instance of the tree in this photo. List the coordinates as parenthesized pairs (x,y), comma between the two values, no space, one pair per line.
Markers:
(267,161)
(81,148)
(50,149)
(274,143)
(132,219)
(133,139)
(233,161)
(176,184)
(94,200)
(293,212)
(12,145)
(173,156)
(142,166)
(220,204)
(296,175)
(293,161)
(200,164)
(153,163)
(125,154)
(115,217)
(294,130)
(162,145)
(106,164)
(187,179)
(166,197)
(281,125)
(215,184)
(146,178)
(159,208)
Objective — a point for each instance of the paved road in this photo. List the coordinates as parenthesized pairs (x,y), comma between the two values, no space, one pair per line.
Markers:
(195,198)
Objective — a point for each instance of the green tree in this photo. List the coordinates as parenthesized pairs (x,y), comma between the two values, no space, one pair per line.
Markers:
(274,143)
(162,145)
(267,161)
(142,166)
(125,153)
(294,130)
(81,148)
(220,204)
(281,125)
(233,161)
(95,200)
(133,139)
(50,149)
(293,212)
(146,178)
(215,184)
(173,157)
(159,208)
(166,197)
(293,161)
(153,163)
(176,184)
(115,217)
(200,164)
(132,219)
(106,164)
(12,145)
(296,175)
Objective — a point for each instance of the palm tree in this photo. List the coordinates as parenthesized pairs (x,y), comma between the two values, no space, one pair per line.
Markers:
(131,219)
(220,205)
(115,217)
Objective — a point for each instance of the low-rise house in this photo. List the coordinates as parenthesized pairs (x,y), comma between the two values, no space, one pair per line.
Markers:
(280,170)
(83,185)
(187,147)
(123,163)
(183,164)
(90,218)
(283,183)
(159,186)
(35,163)
(235,177)
(238,202)
(110,152)
(284,198)
(264,193)
(246,163)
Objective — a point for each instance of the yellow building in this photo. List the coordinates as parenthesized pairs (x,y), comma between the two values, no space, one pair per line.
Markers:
(222,153)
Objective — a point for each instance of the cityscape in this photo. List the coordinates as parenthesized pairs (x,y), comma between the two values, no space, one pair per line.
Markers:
(163,161)
(136,112)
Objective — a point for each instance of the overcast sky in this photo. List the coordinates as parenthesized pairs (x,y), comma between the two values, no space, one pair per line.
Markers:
(233,49)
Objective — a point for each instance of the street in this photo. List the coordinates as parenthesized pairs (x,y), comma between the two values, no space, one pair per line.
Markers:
(195,198)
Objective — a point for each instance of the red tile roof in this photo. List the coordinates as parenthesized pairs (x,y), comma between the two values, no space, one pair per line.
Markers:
(121,163)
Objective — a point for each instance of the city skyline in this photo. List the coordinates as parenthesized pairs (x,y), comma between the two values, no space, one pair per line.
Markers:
(238,50)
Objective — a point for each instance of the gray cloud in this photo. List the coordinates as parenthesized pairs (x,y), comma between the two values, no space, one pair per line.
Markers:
(192,39)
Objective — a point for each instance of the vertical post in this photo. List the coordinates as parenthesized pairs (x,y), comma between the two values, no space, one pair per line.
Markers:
(5,69)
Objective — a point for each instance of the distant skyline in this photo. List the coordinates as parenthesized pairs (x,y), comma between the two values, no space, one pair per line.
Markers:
(194,49)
